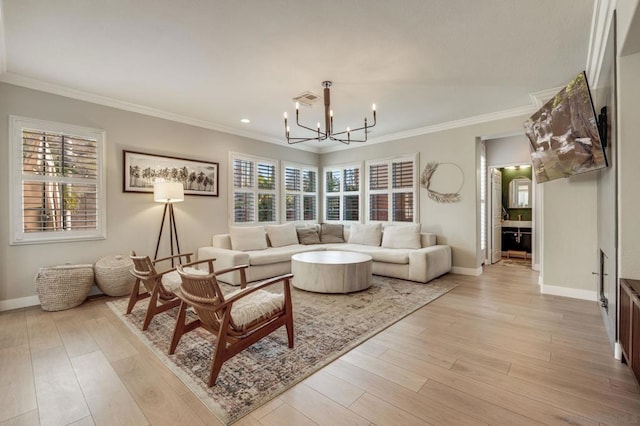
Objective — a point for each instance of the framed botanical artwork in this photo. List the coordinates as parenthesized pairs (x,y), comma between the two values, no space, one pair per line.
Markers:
(141,171)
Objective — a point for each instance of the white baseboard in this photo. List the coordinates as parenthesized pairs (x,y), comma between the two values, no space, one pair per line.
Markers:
(467,271)
(574,293)
(617,351)
(20,302)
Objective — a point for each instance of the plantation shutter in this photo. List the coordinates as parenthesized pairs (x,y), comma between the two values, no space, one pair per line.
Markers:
(59,182)
(392,189)
(255,190)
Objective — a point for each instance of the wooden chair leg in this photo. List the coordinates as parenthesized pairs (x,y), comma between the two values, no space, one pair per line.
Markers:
(134,297)
(221,345)
(289,326)
(178,331)
(151,309)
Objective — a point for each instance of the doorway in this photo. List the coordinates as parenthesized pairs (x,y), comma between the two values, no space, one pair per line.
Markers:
(511,214)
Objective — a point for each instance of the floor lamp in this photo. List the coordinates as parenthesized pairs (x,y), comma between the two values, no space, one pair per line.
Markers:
(168,193)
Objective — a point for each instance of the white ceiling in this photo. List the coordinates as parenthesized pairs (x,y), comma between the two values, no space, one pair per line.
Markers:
(211,63)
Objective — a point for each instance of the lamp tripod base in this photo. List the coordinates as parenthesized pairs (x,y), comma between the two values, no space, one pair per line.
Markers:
(173,233)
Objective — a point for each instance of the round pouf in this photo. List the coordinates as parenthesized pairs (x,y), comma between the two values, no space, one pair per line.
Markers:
(63,287)
(113,275)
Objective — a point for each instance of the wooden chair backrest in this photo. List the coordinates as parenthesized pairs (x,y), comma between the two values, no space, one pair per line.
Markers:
(205,295)
(145,271)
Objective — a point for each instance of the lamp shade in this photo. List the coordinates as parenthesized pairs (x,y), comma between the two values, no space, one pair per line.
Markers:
(168,192)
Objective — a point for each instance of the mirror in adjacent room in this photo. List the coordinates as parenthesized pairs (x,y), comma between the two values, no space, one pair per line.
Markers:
(520,193)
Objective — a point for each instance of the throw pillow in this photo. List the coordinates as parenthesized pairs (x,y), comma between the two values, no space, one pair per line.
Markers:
(330,233)
(366,235)
(308,236)
(247,238)
(402,236)
(282,235)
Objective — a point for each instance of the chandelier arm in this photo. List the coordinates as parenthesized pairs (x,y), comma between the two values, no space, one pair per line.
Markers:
(348,141)
(292,141)
(310,129)
(365,127)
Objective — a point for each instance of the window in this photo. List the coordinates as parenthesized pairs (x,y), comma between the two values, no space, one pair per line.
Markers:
(342,193)
(392,188)
(300,193)
(255,190)
(57,182)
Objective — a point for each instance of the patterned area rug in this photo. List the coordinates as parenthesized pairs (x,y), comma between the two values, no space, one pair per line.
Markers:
(326,326)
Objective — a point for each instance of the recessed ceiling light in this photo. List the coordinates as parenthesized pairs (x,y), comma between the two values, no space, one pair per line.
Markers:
(245,120)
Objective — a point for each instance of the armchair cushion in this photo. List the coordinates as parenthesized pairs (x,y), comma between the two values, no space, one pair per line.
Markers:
(282,235)
(248,238)
(172,280)
(254,307)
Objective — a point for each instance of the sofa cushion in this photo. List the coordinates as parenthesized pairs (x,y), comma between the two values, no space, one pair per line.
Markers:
(278,254)
(247,238)
(330,233)
(368,235)
(379,254)
(308,236)
(282,235)
(402,236)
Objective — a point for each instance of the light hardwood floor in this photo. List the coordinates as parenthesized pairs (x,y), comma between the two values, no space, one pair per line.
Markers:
(492,351)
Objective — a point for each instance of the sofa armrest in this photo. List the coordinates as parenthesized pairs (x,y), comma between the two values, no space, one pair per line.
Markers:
(427,239)
(225,259)
(221,241)
(428,263)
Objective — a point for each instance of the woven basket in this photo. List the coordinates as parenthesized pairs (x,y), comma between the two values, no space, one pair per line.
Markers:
(113,275)
(63,287)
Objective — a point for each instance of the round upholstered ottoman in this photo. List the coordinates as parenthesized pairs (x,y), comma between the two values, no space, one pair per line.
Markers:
(113,276)
(63,287)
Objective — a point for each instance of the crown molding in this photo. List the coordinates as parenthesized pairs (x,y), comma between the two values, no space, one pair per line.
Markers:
(469,121)
(68,92)
(537,99)
(540,98)
(3,49)
(600,25)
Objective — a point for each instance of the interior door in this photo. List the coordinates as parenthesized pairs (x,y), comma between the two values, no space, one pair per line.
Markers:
(496,215)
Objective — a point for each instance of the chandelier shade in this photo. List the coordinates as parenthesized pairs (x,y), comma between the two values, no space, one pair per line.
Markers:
(328,132)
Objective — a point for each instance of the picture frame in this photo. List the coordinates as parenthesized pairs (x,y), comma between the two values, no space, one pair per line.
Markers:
(141,170)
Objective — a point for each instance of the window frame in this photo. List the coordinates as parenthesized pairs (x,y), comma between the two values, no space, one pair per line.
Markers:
(390,191)
(17,236)
(302,193)
(256,191)
(342,193)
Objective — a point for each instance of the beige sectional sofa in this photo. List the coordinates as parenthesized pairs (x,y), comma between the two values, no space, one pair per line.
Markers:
(401,251)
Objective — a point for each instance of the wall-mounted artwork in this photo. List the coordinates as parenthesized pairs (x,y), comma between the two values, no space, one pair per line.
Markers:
(141,171)
(444,187)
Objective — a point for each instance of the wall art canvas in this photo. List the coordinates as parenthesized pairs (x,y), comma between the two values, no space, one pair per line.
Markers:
(142,170)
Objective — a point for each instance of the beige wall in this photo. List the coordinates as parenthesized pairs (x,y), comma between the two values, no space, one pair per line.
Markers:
(508,150)
(629,172)
(569,238)
(133,220)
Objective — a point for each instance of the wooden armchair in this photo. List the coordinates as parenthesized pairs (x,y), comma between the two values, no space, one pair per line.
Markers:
(238,319)
(158,285)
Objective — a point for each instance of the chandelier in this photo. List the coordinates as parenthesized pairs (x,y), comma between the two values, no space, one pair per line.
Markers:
(328,132)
